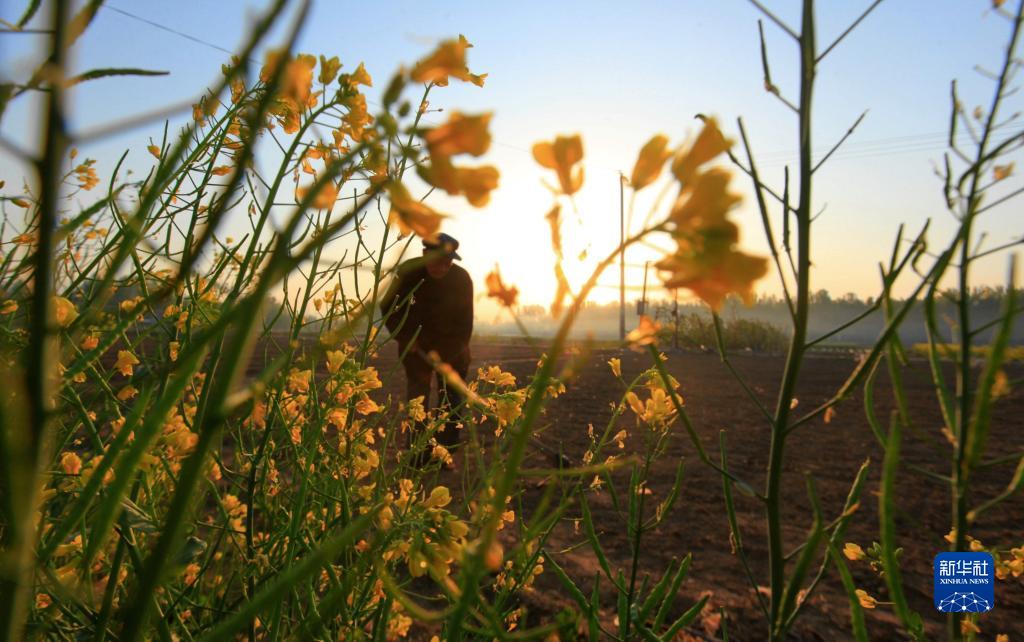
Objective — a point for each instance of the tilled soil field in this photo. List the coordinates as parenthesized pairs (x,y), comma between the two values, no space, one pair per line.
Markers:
(829,453)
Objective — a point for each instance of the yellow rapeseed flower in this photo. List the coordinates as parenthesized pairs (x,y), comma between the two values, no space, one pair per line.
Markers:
(616,365)
(416,410)
(508,409)
(462,134)
(496,376)
(496,289)
(369,379)
(494,556)
(439,498)
(360,77)
(620,439)
(367,406)
(411,215)
(866,600)
(125,361)
(86,174)
(634,403)
(71,463)
(64,311)
(732,272)
(709,144)
(476,183)
(297,79)
(324,199)
(650,161)
(328,69)
(337,417)
(334,360)
(441,454)
(853,552)
(562,155)
(645,334)
(704,206)
(1000,172)
(448,60)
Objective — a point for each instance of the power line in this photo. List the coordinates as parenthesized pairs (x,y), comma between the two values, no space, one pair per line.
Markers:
(217,47)
(933,137)
(884,146)
(164,27)
(854,150)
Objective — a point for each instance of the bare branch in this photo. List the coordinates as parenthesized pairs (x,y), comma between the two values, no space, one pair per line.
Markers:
(848,30)
(842,140)
(769,86)
(771,16)
(763,208)
(12,147)
(1000,201)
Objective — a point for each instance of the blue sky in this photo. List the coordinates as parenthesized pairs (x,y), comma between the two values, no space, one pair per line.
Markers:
(616,73)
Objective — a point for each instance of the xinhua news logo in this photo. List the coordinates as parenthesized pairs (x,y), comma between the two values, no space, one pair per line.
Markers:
(964,582)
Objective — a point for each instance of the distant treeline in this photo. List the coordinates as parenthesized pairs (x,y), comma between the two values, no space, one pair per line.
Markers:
(826,314)
(763,326)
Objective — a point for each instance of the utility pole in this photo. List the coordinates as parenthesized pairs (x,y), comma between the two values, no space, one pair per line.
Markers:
(622,257)
(675,317)
(643,297)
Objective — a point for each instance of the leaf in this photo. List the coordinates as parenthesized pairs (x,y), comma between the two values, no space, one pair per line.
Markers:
(594,626)
(30,11)
(686,618)
(887,526)
(570,586)
(810,551)
(856,611)
(80,21)
(595,542)
(981,418)
(6,92)
(1016,483)
(95,74)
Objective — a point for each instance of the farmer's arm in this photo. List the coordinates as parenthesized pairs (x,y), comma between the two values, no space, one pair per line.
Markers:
(395,306)
(464,311)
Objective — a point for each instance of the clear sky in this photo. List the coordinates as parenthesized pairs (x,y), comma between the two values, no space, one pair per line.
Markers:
(616,73)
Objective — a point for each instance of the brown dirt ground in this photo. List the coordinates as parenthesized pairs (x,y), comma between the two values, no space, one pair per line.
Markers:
(830,453)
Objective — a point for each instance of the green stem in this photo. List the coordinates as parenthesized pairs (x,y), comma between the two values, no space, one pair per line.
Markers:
(638,530)
(773,490)
(962,465)
(41,354)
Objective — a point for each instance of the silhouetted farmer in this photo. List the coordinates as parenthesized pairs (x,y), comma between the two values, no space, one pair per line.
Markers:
(429,306)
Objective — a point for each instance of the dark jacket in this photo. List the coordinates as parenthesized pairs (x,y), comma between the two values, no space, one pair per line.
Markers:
(441,309)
